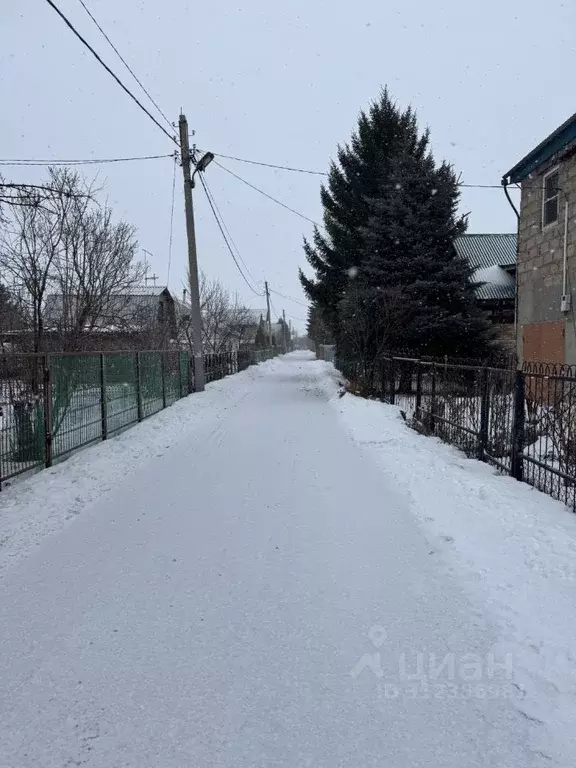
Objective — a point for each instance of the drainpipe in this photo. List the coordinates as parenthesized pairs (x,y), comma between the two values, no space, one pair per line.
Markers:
(516,324)
(565,254)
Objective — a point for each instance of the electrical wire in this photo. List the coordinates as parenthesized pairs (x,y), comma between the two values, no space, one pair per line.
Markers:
(261,191)
(323,173)
(171,223)
(226,239)
(272,165)
(110,72)
(88,161)
(290,298)
(300,319)
(250,275)
(123,60)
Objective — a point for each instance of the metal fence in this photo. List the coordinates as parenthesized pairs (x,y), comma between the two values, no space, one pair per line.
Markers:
(53,404)
(523,422)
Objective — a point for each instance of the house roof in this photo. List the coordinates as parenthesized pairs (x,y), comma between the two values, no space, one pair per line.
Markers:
(144,290)
(490,256)
(482,250)
(553,143)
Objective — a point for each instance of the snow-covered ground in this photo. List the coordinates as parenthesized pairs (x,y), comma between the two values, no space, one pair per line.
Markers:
(270,574)
(514,546)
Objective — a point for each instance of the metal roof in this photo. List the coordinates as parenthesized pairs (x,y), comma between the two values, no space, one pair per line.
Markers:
(487,250)
(144,290)
(553,143)
(505,288)
(488,255)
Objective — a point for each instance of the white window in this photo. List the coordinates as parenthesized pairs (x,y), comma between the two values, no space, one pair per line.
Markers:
(550,198)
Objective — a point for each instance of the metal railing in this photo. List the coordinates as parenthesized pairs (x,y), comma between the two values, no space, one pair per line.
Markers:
(54,404)
(521,421)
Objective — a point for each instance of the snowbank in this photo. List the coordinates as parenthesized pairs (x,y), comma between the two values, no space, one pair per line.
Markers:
(514,546)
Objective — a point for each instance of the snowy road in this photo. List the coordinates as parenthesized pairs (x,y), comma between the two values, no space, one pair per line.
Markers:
(258,595)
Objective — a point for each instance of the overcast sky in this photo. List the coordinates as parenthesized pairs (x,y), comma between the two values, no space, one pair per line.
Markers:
(281,82)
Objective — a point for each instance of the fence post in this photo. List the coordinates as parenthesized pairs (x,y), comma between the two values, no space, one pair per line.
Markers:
(163,374)
(484,414)
(138,387)
(392,381)
(418,390)
(103,403)
(189,373)
(517,461)
(433,399)
(47,396)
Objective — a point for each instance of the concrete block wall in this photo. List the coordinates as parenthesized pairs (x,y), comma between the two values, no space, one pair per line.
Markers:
(546,332)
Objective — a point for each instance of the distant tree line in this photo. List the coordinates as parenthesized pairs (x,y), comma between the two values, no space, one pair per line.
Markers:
(385,274)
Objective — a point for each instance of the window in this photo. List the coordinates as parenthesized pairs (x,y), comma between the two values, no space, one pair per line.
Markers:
(550,199)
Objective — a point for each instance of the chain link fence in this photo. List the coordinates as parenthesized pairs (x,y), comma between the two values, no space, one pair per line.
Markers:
(53,404)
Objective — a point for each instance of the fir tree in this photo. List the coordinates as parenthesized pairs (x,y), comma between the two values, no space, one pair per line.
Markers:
(387,276)
(352,181)
(412,277)
(316,328)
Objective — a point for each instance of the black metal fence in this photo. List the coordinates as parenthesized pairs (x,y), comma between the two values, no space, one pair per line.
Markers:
(523,422)
(53,404)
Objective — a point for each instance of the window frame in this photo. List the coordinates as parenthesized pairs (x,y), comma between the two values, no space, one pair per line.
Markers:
(551,172)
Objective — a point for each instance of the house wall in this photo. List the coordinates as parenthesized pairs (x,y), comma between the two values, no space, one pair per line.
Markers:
(546,333)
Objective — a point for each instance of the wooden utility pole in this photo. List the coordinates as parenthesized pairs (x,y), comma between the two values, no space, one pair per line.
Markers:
(268,317)
(284,334)
(195,313)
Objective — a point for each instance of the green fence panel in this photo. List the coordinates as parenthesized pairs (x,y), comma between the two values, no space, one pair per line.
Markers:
(76,402)
(22,440)
(172,373)
(151,382)
(184,374)
(120,386)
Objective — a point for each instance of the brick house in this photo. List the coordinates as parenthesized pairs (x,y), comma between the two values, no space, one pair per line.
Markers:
(546,270)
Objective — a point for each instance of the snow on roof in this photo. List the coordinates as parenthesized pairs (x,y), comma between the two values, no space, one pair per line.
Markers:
(487,255)
(497,283)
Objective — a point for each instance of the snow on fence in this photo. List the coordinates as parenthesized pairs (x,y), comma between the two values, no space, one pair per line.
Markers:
(523,422)
(53,404)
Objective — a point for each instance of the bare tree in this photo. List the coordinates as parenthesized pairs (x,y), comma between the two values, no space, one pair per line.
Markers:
(70,262)
(226,323)
(29,247)
(94,272)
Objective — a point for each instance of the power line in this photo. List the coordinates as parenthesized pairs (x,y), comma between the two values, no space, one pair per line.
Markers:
(123,60)
(110,72)
(226,239)
(171,224)
(272,165)
(290,298)
(324,173)
(300,319)
(261,191)
(228,232)
(87,161)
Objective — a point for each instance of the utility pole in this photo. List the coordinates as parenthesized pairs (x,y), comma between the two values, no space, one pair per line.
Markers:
(268,314)
(195,314)
(284,328)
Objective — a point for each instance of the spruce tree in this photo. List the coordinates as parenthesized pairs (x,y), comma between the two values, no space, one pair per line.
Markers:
(420,292)
(387,276)
(352,182)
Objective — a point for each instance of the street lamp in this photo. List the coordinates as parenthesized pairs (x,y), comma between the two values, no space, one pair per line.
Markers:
(202,164)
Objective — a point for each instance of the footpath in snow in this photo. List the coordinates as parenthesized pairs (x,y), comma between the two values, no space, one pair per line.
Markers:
(269,574)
